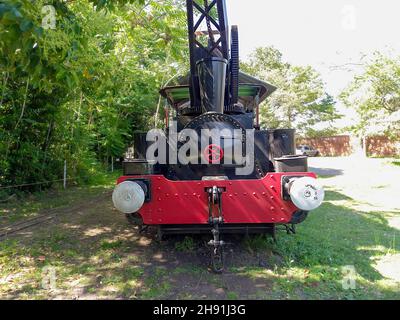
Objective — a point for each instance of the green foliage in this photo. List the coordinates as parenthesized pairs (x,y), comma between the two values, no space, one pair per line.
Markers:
(107,245)
(186,245)
(327,132)
(375,95)
(257,243)
(300,101)
(78,91)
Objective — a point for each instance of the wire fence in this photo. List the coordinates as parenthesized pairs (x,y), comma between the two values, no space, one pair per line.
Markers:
(64,180)
(34,183)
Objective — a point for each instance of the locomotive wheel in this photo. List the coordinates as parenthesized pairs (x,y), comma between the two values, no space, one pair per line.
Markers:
(134,219)
(299,217)
(234,65)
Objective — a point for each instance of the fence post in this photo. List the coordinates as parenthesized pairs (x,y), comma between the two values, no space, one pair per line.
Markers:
(112,164)
(65,174)
(365,146)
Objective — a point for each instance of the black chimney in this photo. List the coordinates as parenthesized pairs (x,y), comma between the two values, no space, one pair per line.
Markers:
(212,78)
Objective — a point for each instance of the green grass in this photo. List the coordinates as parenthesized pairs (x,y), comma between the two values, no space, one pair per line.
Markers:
(335,235)
(232,295)
(111,244)
(307,265)
(157,284)
(257,243)
(28,205)
(186,245)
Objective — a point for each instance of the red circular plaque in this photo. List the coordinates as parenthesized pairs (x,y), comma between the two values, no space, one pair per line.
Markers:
(213,153)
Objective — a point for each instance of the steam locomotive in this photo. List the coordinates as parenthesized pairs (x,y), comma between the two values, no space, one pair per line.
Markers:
(236,178)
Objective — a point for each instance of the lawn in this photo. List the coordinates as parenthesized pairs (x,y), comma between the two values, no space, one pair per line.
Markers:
(335,235)
(346,249)
(23,205)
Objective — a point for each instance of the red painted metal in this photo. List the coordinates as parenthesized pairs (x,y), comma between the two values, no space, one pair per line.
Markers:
(243,201)
(166,117)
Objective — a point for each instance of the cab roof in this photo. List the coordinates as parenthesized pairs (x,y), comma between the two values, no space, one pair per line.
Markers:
(177,91)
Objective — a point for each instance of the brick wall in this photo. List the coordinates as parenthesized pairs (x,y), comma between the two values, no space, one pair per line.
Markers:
(377,146)
(382,146)
(329,146)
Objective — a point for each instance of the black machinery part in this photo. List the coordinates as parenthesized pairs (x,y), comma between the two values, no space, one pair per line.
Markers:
(291,163)
(234,66)
(299,217)
(282,142)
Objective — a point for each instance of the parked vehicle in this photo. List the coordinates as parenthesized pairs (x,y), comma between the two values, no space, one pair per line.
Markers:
(306,150)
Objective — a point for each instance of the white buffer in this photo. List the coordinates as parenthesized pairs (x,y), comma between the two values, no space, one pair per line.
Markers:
(306,193)
(128,197)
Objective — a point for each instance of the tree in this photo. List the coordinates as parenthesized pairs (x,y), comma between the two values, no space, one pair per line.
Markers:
(375,95)
(80,90)
(300,101)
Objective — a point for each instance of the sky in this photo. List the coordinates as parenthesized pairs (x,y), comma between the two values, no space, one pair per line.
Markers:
(329,35)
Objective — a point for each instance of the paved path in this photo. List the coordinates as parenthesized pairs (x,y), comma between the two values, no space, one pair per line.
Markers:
(366,180)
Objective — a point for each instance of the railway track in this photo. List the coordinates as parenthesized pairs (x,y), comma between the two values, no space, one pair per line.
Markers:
(51,214)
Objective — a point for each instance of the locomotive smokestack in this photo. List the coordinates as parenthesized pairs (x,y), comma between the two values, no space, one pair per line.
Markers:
(212,78)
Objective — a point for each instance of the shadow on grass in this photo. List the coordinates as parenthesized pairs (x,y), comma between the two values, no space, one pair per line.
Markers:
(326,172)
(335,236)
(335,196)
(112,260)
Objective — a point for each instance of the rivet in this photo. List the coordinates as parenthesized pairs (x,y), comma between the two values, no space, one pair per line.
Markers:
(272,197)
(158,188)
(176,194)
(194,193)
(272,208)
(159,199)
